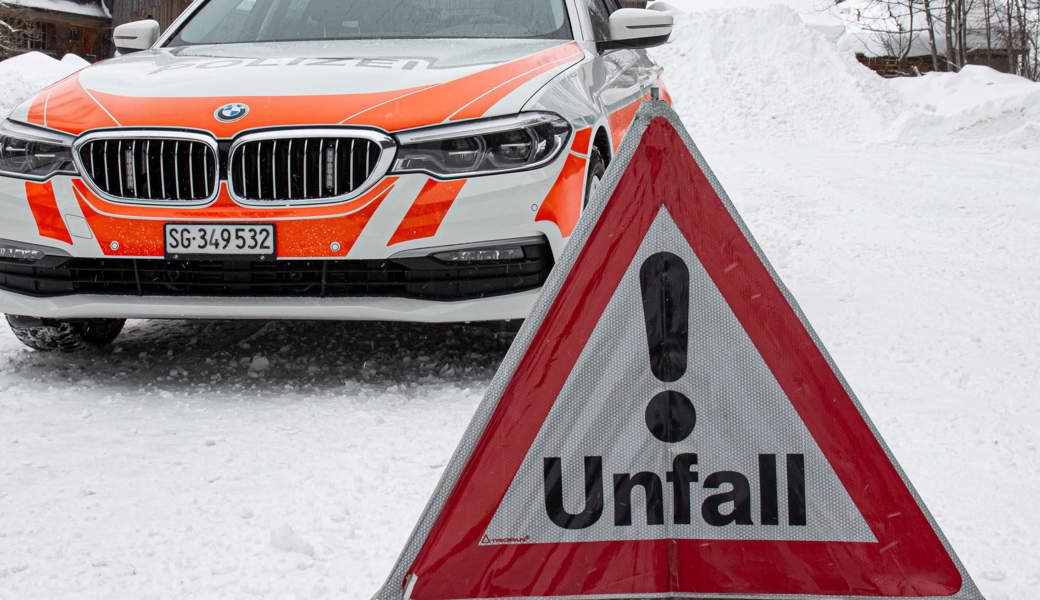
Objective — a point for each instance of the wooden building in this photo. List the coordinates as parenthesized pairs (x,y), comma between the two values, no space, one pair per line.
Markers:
(57,28)
(891,66)
(83,27)
(163,11)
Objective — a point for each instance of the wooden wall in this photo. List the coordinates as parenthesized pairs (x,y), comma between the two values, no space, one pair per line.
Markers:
(55,33)
(163,11)
(888,66)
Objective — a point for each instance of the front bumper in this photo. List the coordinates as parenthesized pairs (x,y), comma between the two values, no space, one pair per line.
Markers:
(499,308)
(419,288)
(418,277)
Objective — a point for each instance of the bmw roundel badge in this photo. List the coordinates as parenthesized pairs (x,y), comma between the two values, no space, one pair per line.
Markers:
(230,113)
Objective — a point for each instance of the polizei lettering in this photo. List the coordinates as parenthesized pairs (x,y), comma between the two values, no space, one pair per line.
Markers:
(724,498)
(391,63)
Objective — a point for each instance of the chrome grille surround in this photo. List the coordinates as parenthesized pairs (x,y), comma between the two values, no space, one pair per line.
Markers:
(307,166)
(150,166)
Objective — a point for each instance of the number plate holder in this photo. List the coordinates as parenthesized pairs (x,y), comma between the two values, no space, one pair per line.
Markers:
(246,241)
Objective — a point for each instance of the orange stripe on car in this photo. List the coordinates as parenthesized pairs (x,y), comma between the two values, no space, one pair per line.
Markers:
(427,213)
(265,111)
(313,237)
(225,209)
(70,108)
(482,104)
(73,110)
(438,103)
(296,237)
(564,203)
(44,207)
(621,120)
(396,98)
(582,141)
(38,109)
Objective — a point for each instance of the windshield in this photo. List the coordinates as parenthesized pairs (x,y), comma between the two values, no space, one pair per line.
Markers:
(243,21)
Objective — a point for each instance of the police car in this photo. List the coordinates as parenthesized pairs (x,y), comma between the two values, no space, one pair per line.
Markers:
(408,160)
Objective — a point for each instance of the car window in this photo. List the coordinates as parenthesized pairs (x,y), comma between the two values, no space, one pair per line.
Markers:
(243,21)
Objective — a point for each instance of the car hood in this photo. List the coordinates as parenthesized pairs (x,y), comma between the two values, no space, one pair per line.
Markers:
(390,84)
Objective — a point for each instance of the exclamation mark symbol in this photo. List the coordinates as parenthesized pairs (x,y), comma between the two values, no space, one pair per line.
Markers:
(665,282)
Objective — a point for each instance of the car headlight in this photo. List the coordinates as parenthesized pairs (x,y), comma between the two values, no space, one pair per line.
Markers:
(488,147)
(34,153)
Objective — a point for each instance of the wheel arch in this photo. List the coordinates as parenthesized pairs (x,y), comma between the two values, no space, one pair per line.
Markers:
(602,142)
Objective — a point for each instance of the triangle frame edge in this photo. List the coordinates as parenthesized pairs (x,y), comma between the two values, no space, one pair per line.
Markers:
(395,586)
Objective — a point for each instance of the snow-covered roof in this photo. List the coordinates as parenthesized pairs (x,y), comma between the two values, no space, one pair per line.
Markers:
(871,30)
(86,8)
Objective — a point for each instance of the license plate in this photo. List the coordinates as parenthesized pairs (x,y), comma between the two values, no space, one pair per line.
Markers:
(254,241)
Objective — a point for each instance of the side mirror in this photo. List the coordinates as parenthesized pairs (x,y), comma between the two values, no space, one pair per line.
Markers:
(638,28)
(136,36)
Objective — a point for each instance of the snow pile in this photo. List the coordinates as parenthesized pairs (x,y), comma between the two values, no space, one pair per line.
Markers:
(24,75)
(764,72)
(287,540)
(977,104)
(770,71)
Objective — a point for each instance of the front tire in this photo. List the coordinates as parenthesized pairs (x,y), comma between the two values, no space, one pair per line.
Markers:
(65,336)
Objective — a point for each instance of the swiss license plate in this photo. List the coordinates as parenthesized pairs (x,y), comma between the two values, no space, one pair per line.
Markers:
(254,241)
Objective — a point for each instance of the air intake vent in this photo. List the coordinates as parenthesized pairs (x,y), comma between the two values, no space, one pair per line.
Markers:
(308,166)
(150,168)
(422,278)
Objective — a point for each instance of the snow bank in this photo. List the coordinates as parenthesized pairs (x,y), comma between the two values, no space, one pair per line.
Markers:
(771,71)
(977,104)
(26,74)
(764,72)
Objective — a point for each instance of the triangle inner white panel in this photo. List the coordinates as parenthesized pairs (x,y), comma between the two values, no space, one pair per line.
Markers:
(742,415)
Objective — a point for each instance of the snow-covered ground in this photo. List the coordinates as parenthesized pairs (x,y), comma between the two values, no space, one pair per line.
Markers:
(290,460)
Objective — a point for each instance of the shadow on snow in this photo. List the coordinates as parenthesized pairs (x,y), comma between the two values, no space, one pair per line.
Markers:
(269,358)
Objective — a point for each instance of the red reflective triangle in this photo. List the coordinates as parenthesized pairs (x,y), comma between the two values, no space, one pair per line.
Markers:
(448,561)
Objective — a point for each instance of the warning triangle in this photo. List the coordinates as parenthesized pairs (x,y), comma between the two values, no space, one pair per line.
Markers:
(668,425)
